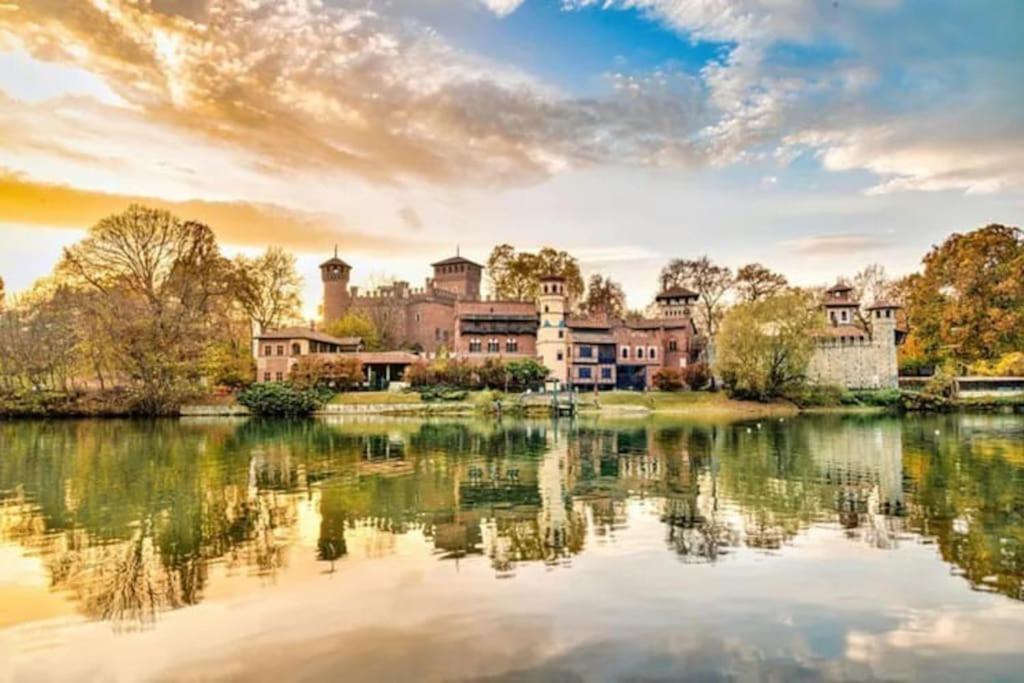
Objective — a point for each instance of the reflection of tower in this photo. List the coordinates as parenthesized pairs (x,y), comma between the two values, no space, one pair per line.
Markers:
(553,518)
(552,344)
(335,273)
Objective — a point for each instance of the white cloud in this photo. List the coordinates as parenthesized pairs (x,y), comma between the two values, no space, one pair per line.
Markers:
(501,7)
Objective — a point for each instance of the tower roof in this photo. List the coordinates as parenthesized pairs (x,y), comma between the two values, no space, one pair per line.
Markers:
(552,277)
(454,260)
(676,293)
(883,305)
(335,261)
(839,288)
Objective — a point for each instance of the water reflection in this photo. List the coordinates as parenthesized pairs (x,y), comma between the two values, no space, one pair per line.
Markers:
(134,518)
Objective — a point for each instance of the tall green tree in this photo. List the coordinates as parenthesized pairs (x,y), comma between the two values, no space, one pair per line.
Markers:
(516,275)
(604,297)
(968,301)
(755,282)
(357,324)
(764,347)
(710,281)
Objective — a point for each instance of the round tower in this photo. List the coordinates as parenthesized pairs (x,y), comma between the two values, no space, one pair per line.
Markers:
(335,273)
(553,335)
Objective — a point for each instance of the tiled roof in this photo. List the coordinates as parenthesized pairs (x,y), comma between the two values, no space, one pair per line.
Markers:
(588,337)
(306,333)
(335,261)
(883,304)
(839,287)
(676,293)
(451,261)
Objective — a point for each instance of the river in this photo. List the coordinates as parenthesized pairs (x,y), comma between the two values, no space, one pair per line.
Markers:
(810,548)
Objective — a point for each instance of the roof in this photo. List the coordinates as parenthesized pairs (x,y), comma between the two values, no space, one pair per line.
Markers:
(496,309)
(552,277)
(883,304)
(335,261)
(845,303)
(659,323)
(389,357)
(676,293)
(456,260)
(839,287)
(577,323)
(589,337)
(306,333)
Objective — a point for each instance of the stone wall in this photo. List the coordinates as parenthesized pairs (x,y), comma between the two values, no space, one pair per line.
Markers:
(854,364)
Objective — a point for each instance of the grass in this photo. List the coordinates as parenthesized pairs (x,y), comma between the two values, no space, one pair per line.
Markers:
(691,402)
(362,398)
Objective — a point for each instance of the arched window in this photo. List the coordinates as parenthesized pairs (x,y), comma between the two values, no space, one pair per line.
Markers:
(639,352)
(652,353)
(625,352)
(296,349)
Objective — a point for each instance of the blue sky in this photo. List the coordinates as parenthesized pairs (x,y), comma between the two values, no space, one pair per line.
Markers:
(814,136)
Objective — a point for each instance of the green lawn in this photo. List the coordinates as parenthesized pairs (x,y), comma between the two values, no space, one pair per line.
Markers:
(375,397)
(690,402)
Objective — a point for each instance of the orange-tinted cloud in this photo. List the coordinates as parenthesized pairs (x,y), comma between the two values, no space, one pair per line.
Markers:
(28,202)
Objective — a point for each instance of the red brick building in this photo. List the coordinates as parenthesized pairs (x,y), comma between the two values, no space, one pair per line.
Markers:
(492,329)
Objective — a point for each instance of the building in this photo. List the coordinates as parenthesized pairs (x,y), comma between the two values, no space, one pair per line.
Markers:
(609,353)
(852,352)
(420,319)
(279,350)
(495,329)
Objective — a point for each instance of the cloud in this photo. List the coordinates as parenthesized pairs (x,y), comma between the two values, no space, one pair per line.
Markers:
(835,245)
(27,202)
(501,7)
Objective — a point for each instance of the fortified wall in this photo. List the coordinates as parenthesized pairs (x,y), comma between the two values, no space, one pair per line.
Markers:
(855,364)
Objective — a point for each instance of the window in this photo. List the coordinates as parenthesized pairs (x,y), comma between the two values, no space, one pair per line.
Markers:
(586,352)
(279,376)
(673,345)
(561,334)
(606,373)
(584,373)
(559,356)
(296,349)
(640,352)
(652,353)
(417,317)
(888,313)
(512,345)
(845,316)
(547,309)
(266,375)
(267,350)
(625,352)
(280,349)
(437,334)
(474,346)
(493,346)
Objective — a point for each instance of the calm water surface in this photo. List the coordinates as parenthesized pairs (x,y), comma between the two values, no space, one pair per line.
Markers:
(805,549)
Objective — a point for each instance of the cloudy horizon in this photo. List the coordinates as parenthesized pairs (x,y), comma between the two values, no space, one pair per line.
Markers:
(814,137)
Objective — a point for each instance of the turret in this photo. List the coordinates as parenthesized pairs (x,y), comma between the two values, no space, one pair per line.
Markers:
(675,302)
(884,338)
(840,305)
(552,335)
(458,275)
(335,273)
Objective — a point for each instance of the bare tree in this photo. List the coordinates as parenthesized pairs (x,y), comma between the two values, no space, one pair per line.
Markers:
(711,282)
(755,282)
(268,288)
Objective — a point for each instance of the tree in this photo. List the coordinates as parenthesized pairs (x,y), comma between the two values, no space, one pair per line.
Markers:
(755,282)
(711,283)
(604,297)
(341,373)
(968,302)
(158,287)
(268,288)
(355,324)
(516,276)
(870,286)
(764,347)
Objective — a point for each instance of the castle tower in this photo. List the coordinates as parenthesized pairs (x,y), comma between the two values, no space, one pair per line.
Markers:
(840,305)
(334,273)
(460,276)
(675,302)
(552,335)
(883,337)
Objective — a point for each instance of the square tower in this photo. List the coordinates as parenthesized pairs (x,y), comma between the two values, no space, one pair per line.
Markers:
(460,276)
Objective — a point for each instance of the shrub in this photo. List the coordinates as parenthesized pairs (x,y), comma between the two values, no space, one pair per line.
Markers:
(818,396)
(340,374)
(696,376)
(492,373)
(281,399)
(440,392)
(668,379)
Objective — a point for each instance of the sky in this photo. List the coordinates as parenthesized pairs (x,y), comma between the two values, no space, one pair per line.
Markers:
(814,136)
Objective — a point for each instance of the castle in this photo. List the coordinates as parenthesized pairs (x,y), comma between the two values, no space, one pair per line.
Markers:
(854,353)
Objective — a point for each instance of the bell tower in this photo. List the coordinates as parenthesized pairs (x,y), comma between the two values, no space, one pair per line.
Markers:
(552,335)
(334,273)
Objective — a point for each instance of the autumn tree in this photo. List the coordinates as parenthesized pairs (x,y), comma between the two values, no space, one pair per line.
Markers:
(604,297)
(755,282)
(968,302)
(268,288)
(357,324)
(160,284)
(711,282)
(764,347)
(516,275)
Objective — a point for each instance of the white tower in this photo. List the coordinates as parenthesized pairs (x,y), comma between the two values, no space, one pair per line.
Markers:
(553,335)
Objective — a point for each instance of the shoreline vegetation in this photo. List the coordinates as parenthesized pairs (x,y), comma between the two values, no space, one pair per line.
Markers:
(689,404)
